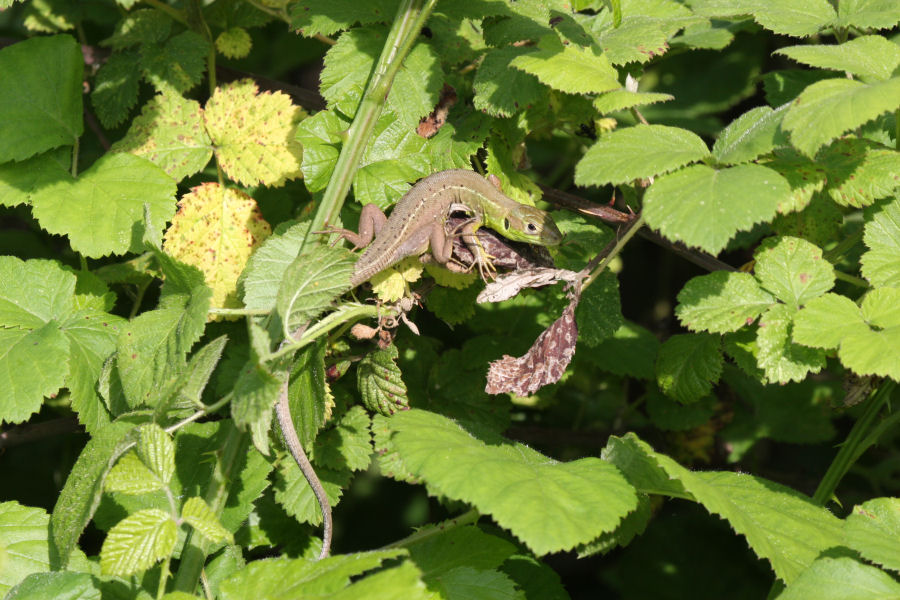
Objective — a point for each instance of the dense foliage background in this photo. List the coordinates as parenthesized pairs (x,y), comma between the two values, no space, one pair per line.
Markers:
(725,174)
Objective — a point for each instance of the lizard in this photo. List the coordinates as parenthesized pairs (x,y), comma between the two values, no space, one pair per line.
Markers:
(417,223)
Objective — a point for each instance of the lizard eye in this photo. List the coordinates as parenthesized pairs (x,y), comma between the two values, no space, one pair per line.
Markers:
(506,224)
(532,228)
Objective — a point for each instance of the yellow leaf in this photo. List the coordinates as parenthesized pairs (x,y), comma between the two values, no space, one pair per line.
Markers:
(447,278)
(253,134)
(216,229)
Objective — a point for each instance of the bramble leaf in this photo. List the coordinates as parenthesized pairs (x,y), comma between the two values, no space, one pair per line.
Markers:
(23,543)
(622,99)
(754,133)
(636,40)
(234,42)
(638,152)
(265,269)
(871,530)
(293,493)
(868,56)
(116,87)
(61,585)
(865,14)
(793,270)
(325,17)
(502,91)
(394,157)
(113,225)
(721,302)
(321,137)
(781,359)
(138,542)
(346,445)
(169,133)
(19,180)
(43,109)
(829,108)
(311,283)
(798,18)
(33,365)
(568,68)
(216,230)
(826,320)
(157,451)
(255,393)
(688,365)
(841,578)
(380,382)
(550,506)
(881,264)
(253,133)
(131,476)
(859,172)
(177,65)
(703,207)
(197,513)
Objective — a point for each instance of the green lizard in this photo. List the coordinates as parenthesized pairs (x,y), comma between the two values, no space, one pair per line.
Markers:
(418,219)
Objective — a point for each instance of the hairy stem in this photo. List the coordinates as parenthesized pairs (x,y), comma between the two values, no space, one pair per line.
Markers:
(596,268)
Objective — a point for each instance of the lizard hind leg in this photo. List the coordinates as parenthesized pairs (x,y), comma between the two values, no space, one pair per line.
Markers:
(371,222)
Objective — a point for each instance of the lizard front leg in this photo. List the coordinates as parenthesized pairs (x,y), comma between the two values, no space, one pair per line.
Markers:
(371,222)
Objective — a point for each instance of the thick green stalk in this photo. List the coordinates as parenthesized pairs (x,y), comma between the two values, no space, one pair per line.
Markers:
(858,441)
(193,554)
(411,15)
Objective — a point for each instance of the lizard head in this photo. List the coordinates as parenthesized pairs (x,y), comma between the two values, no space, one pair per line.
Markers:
(528,224)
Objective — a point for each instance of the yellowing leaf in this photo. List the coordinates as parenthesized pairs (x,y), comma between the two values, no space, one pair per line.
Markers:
(216,230)
(390,284)
(234,42)
(253,134)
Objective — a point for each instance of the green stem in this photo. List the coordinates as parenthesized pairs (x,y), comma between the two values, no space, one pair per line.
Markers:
(619,245)
(411,15)
(239,312)
(897,129)
(843,246)
(466,518)
(75,147)
(163,578)
(193,554)
(852,279)
(860,438)
(348,312)
(169,10)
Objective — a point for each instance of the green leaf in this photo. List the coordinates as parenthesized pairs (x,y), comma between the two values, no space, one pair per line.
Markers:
(636,40)
(688,365)
(568,68)
(35,292)
(47,71)
(630,351)
(197,513)
(116,87)
(321,137)
(265,269)
(703,207)
(255,394)
(754,133)
(859,171)
(872,529)
(781,359)
(842,578)
(138,542)
(348,445)
(311,283)
(457,547)
(780,524)
(19,180)
(126,184)
(157,451)
(23,543)
(721,302)
(169,133)
(199,370)
(33,365)
(80,495)
(139,27)
(829,108)
(599,313)
(308,395)
(293,493)
(798,18)
(380,382)
(622,99)
(398,583)
(881,264)
(59,586)
(178,65)
(325,17)
(131,476)
(394,157)
(793,270)
(826,320)
(550,506)
(301,578)
(868,56)
(672,416)
(865,14)
(638,152)
(501,90)
(466,582)
(806,177)
(460,137)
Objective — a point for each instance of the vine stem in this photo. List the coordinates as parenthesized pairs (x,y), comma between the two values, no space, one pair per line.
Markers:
(861,437)
(620,242)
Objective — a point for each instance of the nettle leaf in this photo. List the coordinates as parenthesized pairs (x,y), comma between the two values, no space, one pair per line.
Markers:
(688,365)
(868,337)
(348,445)
(872,529)
(197,513)
(881,264)
(19,180)
(868,56)
(847,104)
(859,171)
(569,68)
(116,87)
(178,65)
(550,506)
(793,269)
(721,302)
(637,152)
(781,359)
(798,18)
(102,211)
(325,17)
(265,268)
(754,133)
(199,370)
(216,229)
(501,90)
(380,382)
(169,133)
(43,109)
(623,99)
(841,578)
(253,133)
(131,476)
(311,283)
(157,451)
(865,14)
(321,138)
(60,585)
(780,524)
(704,207)
(138,542)
(301,577)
